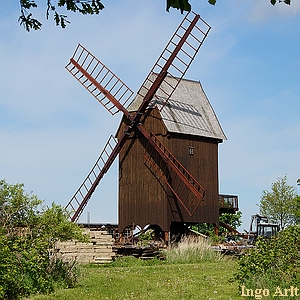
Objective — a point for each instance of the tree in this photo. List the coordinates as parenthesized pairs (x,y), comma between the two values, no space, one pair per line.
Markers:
(233,220)
(280,204)
(271,263)
(86,7)
(297,210)
(28,233)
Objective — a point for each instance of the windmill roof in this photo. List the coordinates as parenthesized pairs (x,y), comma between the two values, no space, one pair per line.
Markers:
(188,111)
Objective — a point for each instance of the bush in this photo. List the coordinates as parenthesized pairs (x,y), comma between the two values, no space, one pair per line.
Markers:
(28,232)
(145,237)
(273,262)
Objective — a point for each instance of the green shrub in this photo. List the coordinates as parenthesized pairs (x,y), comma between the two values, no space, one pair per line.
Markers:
(145,237)
(28,232)
(273,262)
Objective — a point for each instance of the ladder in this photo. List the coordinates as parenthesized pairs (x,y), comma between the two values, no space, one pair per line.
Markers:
(180,51)
(80,199)
(102,83)
(183,185)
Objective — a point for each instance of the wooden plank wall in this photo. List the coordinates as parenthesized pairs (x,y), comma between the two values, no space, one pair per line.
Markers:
(145,200)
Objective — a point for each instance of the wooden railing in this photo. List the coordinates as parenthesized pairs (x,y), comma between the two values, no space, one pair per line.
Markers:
(228,203)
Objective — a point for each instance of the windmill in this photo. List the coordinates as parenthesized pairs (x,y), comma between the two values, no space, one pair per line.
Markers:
(156,90)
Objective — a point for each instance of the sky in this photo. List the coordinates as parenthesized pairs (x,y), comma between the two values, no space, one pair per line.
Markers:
(52,130)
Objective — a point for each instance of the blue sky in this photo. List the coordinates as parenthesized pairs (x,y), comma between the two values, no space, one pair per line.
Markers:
(52,130)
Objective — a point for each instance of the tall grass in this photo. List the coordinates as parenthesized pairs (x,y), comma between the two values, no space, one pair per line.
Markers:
(192,249)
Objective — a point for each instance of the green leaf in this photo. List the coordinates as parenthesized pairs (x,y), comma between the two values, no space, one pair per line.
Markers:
(183,5)
(273,2)
(27,4)
(212,2)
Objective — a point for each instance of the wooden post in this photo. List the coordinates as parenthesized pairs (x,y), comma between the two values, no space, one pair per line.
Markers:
(166,237)
(216,229)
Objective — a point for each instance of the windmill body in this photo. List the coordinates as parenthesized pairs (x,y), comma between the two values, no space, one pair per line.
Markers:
(189,128)
(167,141)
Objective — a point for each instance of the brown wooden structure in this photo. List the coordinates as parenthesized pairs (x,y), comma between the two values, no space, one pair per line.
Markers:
(189,128)
(167,141)
(228,204)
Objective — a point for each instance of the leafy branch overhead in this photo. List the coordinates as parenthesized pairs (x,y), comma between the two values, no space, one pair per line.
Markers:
(86,7)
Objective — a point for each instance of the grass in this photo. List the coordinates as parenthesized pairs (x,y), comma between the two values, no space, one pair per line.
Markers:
(192,249)
(189,276)
(177,281)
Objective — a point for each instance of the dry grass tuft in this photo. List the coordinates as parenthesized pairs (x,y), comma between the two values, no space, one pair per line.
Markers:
(191,249)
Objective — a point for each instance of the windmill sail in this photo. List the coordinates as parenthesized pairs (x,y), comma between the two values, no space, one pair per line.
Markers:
(80,199)
(185,187)
(102,83)
(175,58)
(114,94)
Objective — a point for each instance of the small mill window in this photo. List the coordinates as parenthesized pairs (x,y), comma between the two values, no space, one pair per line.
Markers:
(191,150)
